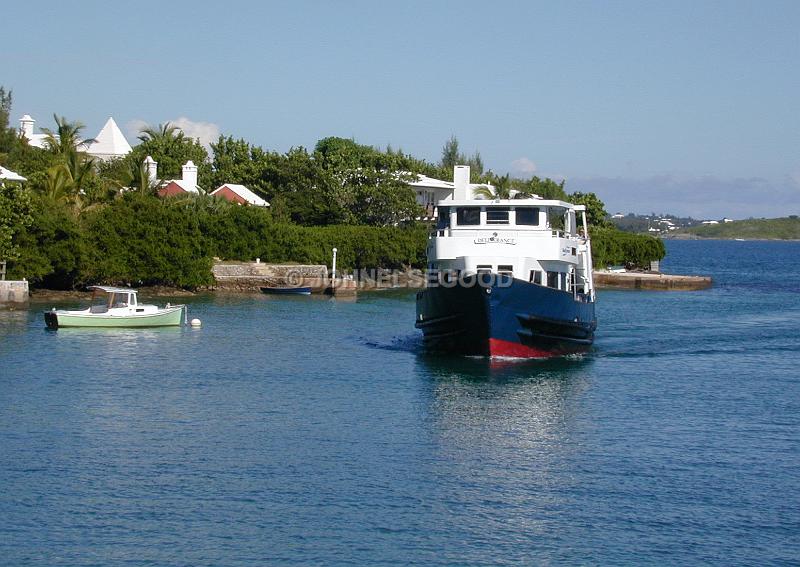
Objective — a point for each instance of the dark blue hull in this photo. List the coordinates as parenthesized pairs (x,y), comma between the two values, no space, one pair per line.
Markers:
(511,318)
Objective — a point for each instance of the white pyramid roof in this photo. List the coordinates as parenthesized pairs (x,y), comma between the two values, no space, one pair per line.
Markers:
(109,142)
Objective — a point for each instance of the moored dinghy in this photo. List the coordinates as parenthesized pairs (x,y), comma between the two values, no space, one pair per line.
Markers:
(116,307)
(301,290)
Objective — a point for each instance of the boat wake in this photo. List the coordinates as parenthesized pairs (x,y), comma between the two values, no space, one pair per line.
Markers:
(409,343)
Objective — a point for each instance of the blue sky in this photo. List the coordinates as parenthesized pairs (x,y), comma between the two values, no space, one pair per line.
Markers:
(684,107)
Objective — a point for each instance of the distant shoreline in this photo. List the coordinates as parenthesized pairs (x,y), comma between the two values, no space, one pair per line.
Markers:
(738,238)
(674,228)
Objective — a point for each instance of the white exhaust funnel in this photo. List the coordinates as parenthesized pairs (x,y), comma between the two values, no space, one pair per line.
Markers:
(462,191)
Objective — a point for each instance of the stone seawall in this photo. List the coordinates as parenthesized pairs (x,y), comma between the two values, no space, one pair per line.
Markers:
(13,293)
(641,280)
(250,276)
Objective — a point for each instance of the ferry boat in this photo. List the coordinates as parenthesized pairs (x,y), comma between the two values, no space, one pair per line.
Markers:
(507,277)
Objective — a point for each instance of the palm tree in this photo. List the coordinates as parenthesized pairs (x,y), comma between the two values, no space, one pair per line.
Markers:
(501,189)
(170,147)
(58,184)
(163,133)
(137,178)
(66,139)
(204,202)
(81,170)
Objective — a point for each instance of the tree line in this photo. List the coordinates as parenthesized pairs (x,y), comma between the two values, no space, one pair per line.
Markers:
(80,221)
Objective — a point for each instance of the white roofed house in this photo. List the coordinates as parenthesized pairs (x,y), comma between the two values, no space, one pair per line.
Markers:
(187,185)
(429,190)
(26,129)
(171,187)
(109,143)
(238,194)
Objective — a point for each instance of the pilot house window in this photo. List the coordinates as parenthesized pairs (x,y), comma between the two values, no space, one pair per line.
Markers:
(528,215)
(468,216)
(496,215)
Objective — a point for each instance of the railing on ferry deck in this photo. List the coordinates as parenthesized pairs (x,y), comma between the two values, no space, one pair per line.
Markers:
(444,232)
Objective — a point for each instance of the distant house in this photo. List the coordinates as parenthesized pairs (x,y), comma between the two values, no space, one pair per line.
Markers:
(172,187)
(238,194)
(109,143)
(26,129)
(187,185)
(710,222)
(429,191)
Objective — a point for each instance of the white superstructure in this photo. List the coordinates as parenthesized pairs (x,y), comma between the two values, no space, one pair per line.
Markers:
(535,240)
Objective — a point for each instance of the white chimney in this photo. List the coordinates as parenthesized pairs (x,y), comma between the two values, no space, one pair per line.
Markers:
(26,126)
(152,170)
(190,173)
(462,191)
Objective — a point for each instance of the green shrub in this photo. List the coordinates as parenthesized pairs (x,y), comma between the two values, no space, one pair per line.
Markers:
(52,250)
(611,247)
(142,240)
(358,246)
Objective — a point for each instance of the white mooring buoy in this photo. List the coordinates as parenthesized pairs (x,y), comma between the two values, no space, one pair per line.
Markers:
(195,322)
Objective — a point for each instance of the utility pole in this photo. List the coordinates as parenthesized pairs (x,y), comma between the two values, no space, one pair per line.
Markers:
(333,270)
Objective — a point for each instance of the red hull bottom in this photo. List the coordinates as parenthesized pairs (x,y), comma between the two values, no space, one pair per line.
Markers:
(499,347)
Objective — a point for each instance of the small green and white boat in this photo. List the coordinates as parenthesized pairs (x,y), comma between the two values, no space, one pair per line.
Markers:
(116,307)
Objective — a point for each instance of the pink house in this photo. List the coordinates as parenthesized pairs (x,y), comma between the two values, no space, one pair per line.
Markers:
(238,194)
(187,184)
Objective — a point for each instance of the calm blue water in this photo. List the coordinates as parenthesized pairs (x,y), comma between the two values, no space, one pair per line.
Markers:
(314,431)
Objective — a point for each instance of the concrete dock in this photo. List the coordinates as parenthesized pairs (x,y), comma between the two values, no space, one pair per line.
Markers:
(13,294)
(604,279)
(251,276)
